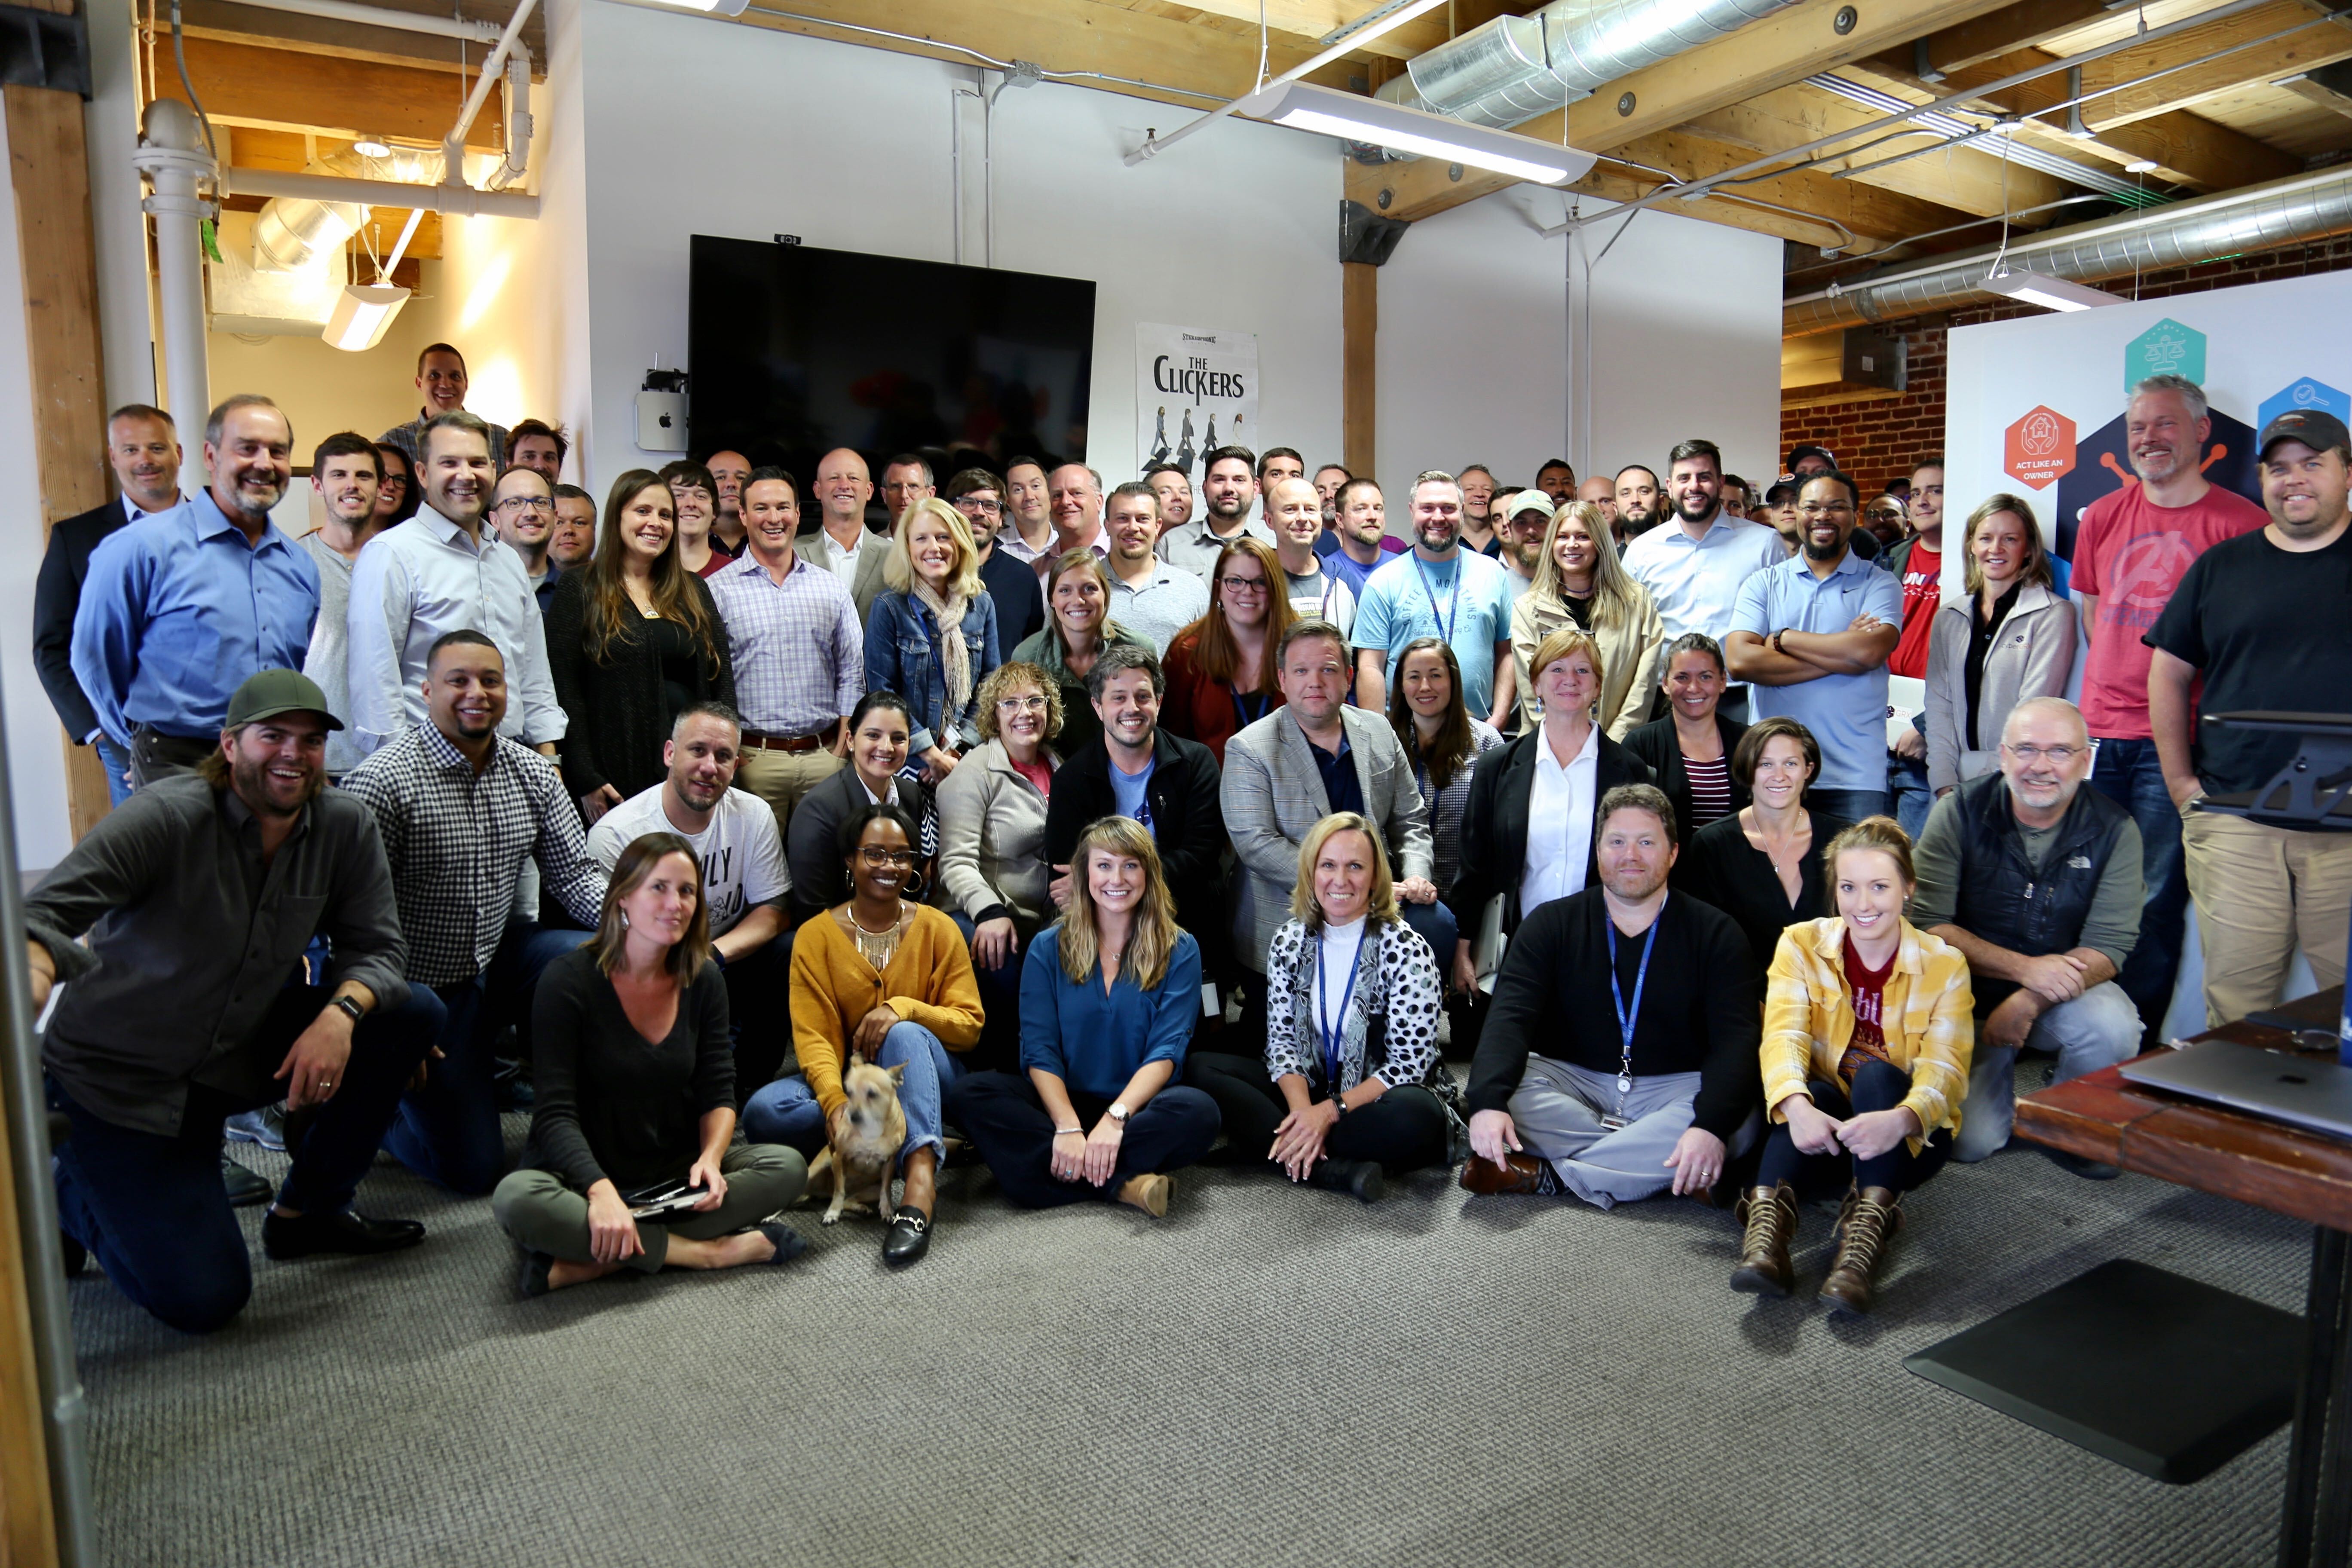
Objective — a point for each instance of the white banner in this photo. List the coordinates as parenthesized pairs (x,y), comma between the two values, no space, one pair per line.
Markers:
(1195,390)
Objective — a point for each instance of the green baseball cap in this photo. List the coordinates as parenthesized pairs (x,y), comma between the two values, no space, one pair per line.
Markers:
(269,693)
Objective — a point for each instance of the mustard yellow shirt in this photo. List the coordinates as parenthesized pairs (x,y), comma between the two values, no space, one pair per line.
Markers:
(928,981)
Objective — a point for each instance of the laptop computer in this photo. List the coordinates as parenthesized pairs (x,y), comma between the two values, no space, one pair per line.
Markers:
(2309,1092)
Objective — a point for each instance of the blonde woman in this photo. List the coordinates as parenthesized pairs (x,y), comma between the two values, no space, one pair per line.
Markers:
(931,639)
(1108,1001)
(1077,628)
(2009,637)
(1579,582)
(1868,1027)
(1351,1086)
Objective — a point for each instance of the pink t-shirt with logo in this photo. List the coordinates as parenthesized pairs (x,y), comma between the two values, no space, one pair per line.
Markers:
(2131,554)
(1922,571)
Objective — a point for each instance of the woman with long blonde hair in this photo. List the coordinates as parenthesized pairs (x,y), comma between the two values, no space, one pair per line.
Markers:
(931,639)
(1579,582)
(1108,997)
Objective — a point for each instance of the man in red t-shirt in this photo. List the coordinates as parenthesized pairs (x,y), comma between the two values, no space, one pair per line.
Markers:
(2131,550)
(1918,561)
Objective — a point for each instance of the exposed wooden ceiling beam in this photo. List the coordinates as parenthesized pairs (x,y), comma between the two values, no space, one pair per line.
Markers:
(2191,76)
(2013,27)
(392,45)
(2330,86)
(330,93)
(1300,21)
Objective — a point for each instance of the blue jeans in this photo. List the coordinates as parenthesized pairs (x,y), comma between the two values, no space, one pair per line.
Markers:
(1436,925)
(787,1110)
(1906,784)
(116,763)
(1848,805)
(2127,772)
(447,1130)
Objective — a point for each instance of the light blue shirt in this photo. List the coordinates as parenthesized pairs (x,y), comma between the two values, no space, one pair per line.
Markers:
(1467,600)
(1095,1042)
(1696,583)
(1846,713)
(1127,792)
(179,609)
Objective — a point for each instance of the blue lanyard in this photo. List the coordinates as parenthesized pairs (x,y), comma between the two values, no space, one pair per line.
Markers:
(1627,1020)
(1453,600)
(1334,1030)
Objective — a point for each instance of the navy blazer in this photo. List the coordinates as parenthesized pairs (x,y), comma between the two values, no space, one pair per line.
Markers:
(57,595)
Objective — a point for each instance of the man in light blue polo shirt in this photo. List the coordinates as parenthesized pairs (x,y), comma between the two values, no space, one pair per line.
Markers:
(1694,564)
(1438,589)
(1812,635)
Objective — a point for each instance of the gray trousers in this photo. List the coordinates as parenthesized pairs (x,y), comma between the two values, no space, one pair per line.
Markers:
(1558,1109)
(2096,1029)
(539,1211)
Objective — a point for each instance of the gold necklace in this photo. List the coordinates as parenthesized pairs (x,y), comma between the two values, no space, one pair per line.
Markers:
(878,947)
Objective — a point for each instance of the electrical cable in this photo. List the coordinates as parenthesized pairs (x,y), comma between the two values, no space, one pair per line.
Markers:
(203,122)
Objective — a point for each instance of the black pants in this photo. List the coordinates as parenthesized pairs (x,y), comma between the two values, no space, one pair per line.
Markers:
(1404,1129)
(155,755)
(759,1010)
(1879,1086)
(1001,1114)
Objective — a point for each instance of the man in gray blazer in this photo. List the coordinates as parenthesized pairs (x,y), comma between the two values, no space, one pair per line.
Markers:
(1300,763)
(842,544)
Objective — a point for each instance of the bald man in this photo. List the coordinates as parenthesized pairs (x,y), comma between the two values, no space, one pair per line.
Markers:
(1602,493)
(842,544)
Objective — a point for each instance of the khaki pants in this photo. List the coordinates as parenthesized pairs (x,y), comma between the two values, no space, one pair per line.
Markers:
(2260,893)
(783,778)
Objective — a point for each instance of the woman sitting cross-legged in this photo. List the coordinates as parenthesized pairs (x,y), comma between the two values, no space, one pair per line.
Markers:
(1867,1032)
(1351,1084)
(635,1075)
(891,980)
(1108,1001)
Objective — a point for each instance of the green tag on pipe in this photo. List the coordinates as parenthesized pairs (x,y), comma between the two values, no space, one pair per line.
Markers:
(209,231)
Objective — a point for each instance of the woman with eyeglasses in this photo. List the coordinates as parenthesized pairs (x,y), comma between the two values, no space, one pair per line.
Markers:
(397,496)
(932,636)
(633,640)
(884,979)
(992,866)
(1221,669)
(1077,628)
(2007,638)
(1763,864)
(880,727)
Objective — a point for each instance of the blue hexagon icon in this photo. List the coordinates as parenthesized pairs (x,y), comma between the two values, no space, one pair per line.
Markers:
(2166,348)
(2307,392)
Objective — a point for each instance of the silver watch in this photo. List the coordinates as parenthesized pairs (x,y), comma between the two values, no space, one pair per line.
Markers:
(1118,1115)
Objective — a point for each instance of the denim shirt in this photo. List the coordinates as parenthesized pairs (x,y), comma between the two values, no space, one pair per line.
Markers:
(901,656)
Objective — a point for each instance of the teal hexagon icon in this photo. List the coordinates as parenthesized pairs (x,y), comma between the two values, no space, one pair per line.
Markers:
(2310,391)
(2166,348)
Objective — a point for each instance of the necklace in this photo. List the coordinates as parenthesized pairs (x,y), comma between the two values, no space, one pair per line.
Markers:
(875,947)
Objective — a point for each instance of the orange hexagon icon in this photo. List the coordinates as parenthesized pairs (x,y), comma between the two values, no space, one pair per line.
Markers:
(2039,450)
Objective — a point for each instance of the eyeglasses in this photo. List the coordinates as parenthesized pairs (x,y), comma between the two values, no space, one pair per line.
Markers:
(974,503)
(527,503)
(1831,509)
(2029,755)
(882,859)
(1243,584)
(1021,705)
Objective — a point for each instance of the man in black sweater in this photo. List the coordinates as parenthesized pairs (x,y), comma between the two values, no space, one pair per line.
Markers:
(1649,1009)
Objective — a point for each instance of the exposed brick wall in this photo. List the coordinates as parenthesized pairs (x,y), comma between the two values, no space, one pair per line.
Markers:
(1878,441)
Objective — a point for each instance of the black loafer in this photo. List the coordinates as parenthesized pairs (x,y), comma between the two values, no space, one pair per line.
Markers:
(348,1231)
(910,1238)
(535,1268)
(246,1188)
(1360,1179)
(789,1243)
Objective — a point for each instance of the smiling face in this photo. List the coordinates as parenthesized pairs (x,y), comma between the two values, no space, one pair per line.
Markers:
(1115,880)
(1870,894)
(145,457)
(1276,470)
(662,907)
(648,522)
(1296,511)
(441,379)
(522,508)
(1428,684)
(1694,685)
(253,460)
(1232,490)
(2045,755)
(1635,852)
(574,541)
(2001,546)
(1077,604)
(904,484)
(1128,709)
(2303,490)
(983,510)
(1927,501)
(278,764)
(1697,484)
(701,755)
(1076,502)
(1826,516)
(1568,684)
(1364,515)
(391,492)
(882,862)
(537,453)
(1782,774)
(931,549)
(1175,493)
(878,747)
(771,515)
(1032,507)
(1437,515)
(1558,480)
(2163,436)
(1314,679)
(346,483)
(457,477)
(843,488)
(1020,718)
(1522,530)
(1244,592)
(729,471)
(1573,549)
(696,507)
(1134,525)
(1343,877)
(466,692)
(1478,497)
(1637,498)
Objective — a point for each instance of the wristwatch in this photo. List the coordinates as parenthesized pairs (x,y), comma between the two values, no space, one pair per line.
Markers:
(349,1007)
(1118,1116)
(1338,1105)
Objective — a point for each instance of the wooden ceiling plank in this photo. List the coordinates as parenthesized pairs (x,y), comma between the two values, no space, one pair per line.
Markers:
(330,93)
(2191,76)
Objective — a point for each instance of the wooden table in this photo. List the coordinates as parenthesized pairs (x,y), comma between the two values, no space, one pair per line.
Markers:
(2267,1163)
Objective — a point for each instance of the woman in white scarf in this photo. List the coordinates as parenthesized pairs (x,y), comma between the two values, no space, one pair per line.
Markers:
(932,637)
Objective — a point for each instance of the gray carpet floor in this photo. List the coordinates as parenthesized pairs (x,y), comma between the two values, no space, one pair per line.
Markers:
(1265,1377)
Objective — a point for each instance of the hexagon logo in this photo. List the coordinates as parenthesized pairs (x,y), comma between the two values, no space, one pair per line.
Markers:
(2307,392)
(2039,450)
(2166,348)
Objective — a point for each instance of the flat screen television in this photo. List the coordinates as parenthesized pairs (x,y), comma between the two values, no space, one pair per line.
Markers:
(794,350)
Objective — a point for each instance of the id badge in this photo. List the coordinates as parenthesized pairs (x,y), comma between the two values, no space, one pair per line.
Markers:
(1616,1123)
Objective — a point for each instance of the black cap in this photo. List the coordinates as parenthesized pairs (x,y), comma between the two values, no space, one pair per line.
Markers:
(2315,427)
(1798,453)
(269,693)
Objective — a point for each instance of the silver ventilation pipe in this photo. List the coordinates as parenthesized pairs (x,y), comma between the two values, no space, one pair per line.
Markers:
(2184,234)
(1513,68)
(290,232)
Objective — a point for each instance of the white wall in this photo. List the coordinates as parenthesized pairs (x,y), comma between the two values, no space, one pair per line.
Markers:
(1475,342)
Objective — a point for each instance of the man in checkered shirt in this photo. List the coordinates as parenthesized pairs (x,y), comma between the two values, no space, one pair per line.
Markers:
(460,808)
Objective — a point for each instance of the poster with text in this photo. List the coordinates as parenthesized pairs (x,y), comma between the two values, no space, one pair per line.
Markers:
(1196,390)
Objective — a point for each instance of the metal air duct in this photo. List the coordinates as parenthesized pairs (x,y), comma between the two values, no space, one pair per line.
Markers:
(2257,218)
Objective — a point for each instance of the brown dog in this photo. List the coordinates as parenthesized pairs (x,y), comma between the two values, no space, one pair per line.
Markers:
(865,1135)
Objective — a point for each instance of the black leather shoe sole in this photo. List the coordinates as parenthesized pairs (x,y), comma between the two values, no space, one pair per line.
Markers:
(909,1238)
(246,1188)
(348,1232)
(76,1254)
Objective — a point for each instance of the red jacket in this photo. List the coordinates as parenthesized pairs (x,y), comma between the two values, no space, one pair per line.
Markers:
(1196,707)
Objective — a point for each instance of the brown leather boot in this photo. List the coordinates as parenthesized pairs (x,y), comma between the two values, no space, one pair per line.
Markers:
(1769,1214)
(1517,1174)
(1867,1221)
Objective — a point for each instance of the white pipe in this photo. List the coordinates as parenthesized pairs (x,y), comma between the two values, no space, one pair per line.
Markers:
(454,144)
(519,122)
(377,17)
(446,197)
(170,155)
(400,248)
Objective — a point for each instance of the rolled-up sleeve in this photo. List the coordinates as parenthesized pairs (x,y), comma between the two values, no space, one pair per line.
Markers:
(1174,1005)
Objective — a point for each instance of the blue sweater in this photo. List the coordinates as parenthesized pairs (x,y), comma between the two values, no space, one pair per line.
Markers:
(1095,1042)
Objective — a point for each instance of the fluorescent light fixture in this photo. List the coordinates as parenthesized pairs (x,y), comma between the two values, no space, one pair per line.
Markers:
(360,315)
(2050,293)
(372,146)
(1305,107)
(716,7)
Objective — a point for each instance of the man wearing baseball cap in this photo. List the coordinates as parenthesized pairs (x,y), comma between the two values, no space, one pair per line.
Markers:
(192,1000)
(2261,617)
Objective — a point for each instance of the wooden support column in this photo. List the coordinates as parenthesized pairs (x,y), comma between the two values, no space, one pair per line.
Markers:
(1360,320)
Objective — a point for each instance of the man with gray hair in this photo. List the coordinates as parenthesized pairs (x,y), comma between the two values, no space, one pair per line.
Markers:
(2036,881)
(1075,502)
(2131,550)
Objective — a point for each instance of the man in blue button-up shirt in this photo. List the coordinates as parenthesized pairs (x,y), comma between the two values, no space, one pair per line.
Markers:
(180,607)
(1812,634)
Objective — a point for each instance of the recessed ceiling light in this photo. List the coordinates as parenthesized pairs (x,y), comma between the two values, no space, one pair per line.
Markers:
(372,147)
(2140,166)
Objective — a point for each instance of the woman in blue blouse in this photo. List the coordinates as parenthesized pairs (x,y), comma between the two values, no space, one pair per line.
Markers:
(932,637)
(1107,1000)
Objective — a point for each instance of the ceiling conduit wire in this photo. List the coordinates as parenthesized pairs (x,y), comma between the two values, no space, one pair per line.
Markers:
(1894,245)
(1959,133)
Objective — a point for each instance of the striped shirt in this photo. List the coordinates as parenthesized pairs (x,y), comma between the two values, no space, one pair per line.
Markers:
(798,650)
(1445,805)
(1710,790)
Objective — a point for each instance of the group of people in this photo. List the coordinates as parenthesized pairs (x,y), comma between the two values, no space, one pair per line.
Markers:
(1059,829)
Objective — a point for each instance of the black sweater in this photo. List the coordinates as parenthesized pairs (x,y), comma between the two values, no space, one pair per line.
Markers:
(610,1103)
(1702,1005)
(1719,866)
(616,703)
(1188,825)
(1656,744)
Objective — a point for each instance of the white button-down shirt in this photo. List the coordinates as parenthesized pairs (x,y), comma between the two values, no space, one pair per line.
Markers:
(844,561)
(420,579)
(1559,822)
(1696,583)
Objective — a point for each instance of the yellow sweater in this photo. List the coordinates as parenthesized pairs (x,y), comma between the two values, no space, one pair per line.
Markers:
(928,982)
(1927,1011)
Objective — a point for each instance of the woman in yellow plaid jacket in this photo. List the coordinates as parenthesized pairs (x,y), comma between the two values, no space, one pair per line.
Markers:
(1867,1030)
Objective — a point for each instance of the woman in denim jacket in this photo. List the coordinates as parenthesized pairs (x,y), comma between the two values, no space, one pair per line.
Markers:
(932,637)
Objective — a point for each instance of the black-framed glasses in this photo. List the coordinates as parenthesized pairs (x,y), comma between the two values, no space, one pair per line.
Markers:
(886,859)
(528,503)
(1243,584)
(974,503)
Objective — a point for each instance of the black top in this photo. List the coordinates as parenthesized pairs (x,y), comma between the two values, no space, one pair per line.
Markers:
(618,708)
(1188,826)
(1982,631)
(610,1103)
(57,595)
(1719,866)
(2266,627)
(1702,1005)
(1020,604)
(812,849)
(1495,824)
(1656,744)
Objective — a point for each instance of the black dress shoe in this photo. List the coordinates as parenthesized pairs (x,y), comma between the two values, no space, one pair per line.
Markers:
(1360,1179)
(348,1231)
(76,1254)
(535,1268)
(789,1243)
(246,1188)
(910,1238)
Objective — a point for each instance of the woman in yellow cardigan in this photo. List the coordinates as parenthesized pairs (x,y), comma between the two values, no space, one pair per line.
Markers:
(1867,1029)
(890,979)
